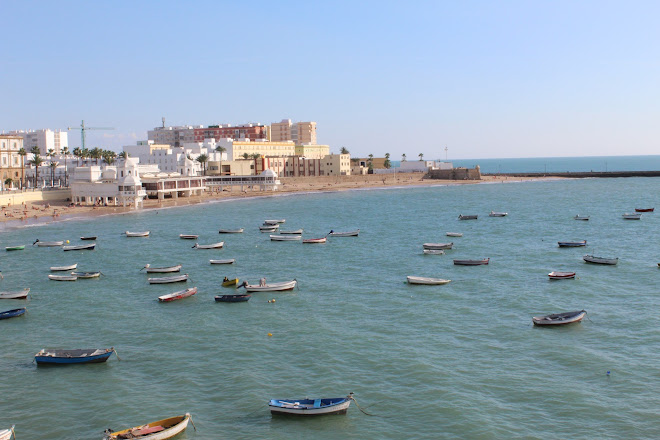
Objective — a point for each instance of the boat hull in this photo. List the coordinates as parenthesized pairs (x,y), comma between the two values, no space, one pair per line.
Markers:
(168,269)
(345,234)
(559,318)
(15,248)
(62,277)
(64,357)
(561,275)
(93,237)
(232,298)
(21,294)
(472,262)
(229,261)
(178,295)
(427,281)
(600,260)
(230,231)
(173,426)
(168,280)
(572,243)
(13,313)
(468,217)
(188,237)
(86,247)
(137,234)
(6,434)
(309,407)
(644,209)
(275,287)
(285,237)
(209,246)
(315,240)
(437,246)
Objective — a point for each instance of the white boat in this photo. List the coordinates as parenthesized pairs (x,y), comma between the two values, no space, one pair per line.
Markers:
(166,269)
(82,275)
(296,232)
(600,260)
(581,217)
(63,268)
(310,407)
(218,245)
(166,280)
(274,222)
(229,261)
(5,434)
(628,216)
(454,234)
(345,234)
(434,251)
(315,240)
(426,280)
(272,287)
(178,295)
(83,247)
(160,430)
(269,228)
(497,214)
(189,236)
(62,277)
(231,231)
(559,318)
(285,237)
(19,294)
(137,234)
(561,275)
(47,243)
(436,246)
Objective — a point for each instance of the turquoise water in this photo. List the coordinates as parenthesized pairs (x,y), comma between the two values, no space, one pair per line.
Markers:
(563,164)
(454,361)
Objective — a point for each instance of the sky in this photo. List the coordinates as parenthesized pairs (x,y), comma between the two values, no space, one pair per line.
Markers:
(485,79)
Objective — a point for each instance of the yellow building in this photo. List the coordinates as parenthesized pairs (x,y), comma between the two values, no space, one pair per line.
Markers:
(238,149)
(313,151)
(336,165)
(10,161)
(298,132)
(242,167)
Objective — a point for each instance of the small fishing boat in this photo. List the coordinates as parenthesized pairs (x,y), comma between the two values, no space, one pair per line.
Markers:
(160,430)
(63,268)
(79,356)
(315,240)
(467,217)
(232,298)
(561,275)
(434,252)
(229,282)
(559,318)
(454,234)
(218,245)
(600,260)
(231,231)
(426,280)
(84,247)
(272,287)
(6,434)
(18,294)
(47,243)
(167,280)
(274,222)
(285,237)
(581,217)
(310,407)
(294,232)
(12,314)
(189,236)
(90,237)
(138,234)
(166,269)
(62,277)
(84,275)
(345,234)
(644,209)
(269,228)
(497,214)
(628,216)
(228,261)
(572,243)
(472,262)
(15,248)
(437,246)
(178,295)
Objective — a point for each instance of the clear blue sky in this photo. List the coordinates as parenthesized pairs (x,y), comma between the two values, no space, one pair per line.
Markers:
(485,78)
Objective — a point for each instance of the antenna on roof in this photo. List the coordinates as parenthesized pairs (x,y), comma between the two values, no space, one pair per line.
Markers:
(163,119)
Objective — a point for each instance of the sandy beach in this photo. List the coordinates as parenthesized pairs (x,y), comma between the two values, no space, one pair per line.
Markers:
(28,212)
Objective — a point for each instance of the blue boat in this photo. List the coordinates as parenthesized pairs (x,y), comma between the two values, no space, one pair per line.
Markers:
(13,313)
(232,298)
(79,356)
(310,407)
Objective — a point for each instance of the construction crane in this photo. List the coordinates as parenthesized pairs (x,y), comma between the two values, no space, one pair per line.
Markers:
(83,129)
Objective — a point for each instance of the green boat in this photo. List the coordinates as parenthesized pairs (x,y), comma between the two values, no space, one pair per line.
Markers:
(15,248)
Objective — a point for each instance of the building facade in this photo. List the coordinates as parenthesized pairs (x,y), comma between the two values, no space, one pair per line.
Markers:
(297,132)
(239,132)
(312,151)
(11,163)
(174,136)
(238,149)
(45,139)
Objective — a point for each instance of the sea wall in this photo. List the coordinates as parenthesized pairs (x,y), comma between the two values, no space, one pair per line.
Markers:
(455,174)
(10,198)
(581,175)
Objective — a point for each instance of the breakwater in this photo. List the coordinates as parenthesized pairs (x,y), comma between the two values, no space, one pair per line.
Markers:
(581,175)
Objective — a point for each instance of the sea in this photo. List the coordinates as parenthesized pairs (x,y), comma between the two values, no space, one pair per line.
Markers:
(456,361)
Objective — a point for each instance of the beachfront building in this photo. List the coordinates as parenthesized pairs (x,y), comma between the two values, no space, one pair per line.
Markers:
(45,139)
(168,159)
(297,132)
(243,149)
(266,181)
(328,165)
(172,185)
(251,131)
(240,167)
(112,185)
(173,136)
(11,163)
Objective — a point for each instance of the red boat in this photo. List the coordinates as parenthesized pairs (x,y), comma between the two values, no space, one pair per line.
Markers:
(561,275)
(178,295)
(644,209)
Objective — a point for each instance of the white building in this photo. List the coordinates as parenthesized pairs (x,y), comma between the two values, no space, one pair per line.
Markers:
(45,139)
(168,159)
(112,185)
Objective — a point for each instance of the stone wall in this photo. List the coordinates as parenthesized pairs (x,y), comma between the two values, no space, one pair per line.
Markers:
(10,198)
(455,174)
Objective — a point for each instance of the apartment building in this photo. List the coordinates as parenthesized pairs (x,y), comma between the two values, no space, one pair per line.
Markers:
(238,149)
(174,136)
(297,132)
(10,161)
(252,131)
(46,139)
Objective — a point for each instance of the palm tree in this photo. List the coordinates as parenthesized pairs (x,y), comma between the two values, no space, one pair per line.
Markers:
(76,152)
(65,151)
(202,159)
(96,154)
(36,161)
(84,154)
(246,156)
(403,157)
(52,166)
(22,153)
(344,150)
(387,163)
(421,156)
(220,149)
(8,182)
(109,156)
(370,162)
(123,155)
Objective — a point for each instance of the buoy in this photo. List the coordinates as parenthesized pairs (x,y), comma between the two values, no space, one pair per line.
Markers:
(270,334)
(273,299)
(608,373)
(67,242)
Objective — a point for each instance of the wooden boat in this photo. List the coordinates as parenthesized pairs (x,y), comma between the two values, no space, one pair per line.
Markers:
(167,280)
(315,240)
(600,260)
(426,280)
(572,243)
(178,295)
(84,247)
(644,209)
(272,287)
(160,430)
(581,217)
(79,356)
(559,318)
(295,232)
(269,228)
(189,236)
(310,407)
(497,214)
(285,237)
(6,434)
(454,234)
(91,237)
(15,248)
(19,294)
(12,314)
(434,252)
(167,269)
(63,268)
(628,216)
(138,234)
(86,274)
(218,245)
(467,217)
(231,231)
(232,298)
(561,275)
(472,262)
(229,282)
(228,261)
(436,246)
(345,234)
(47,243)
(274,222)
(62,277)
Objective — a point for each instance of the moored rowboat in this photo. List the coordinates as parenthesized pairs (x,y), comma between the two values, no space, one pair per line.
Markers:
(467,217)
(274,222)
(6,434)
(91,237)
(188,236)
(86,274)
(47,243)
(63,268)
(228,261)
(137,234)
(581,217)
(497,214)
(559,318)
(178,295)
(454,234)
(15,248)
(230,231)
(273,287)
(160,430)
(285,237)
(315,240)
(628,216)
(572,243)
(12,314)
(561,275)
(229,282)
(83,247)
(600,260)
(434,251)
(167,280)
(232,298)
(426,280)
(472,262)
(79,356)
(20,294)
(166,269)
(218,245)
(436,246)
(269,228)
(295,232)
(644,209)
(345,234)
(310,407)
(62,277)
